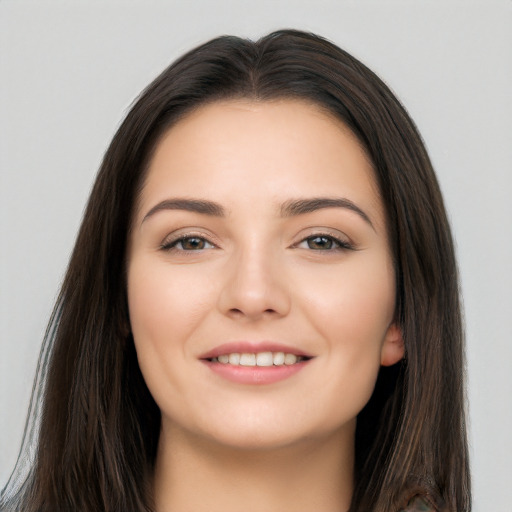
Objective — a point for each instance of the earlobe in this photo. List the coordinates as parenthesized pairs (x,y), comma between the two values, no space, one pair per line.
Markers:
(393,347)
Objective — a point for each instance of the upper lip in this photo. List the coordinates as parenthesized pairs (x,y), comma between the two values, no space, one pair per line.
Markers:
(252,347)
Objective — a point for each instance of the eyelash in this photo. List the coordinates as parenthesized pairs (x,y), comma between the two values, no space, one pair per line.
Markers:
(171,245)
(337,244)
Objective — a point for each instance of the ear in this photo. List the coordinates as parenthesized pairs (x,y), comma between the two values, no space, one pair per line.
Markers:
(393,349)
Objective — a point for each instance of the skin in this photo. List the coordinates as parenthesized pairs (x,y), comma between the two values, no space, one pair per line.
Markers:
(254,274)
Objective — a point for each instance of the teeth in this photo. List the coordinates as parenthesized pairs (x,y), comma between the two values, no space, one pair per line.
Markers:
(264,359)
(234,359)
(290,359)
(279,358)
(247,359)
(258,359)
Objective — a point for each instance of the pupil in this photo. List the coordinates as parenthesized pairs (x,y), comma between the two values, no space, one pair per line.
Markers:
(193,243)
(320,242)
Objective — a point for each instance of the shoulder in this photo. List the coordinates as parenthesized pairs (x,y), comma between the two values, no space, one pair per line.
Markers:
(418,504)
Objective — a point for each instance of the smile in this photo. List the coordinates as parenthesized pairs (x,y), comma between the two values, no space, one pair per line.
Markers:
(262,362)
(255,363)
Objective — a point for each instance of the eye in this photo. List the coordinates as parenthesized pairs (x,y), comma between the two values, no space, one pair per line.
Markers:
(324,243)
(188,243)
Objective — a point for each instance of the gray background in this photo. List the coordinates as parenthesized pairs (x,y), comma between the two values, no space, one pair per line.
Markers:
(69,70)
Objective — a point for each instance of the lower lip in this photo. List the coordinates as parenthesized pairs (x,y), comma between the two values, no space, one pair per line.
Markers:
(255,374)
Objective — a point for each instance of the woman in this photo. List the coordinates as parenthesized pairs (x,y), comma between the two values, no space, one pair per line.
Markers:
(261,311)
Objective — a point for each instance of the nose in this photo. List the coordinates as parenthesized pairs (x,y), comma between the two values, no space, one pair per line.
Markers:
(255,286)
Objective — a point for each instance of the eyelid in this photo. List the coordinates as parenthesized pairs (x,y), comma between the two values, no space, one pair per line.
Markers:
(174,238)
(342,241)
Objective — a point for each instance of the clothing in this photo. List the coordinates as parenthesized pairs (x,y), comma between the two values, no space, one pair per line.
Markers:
(418,504)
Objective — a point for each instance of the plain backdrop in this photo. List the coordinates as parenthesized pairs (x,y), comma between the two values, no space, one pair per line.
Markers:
(70,69)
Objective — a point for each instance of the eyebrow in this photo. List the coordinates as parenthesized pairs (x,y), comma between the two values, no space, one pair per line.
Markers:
(190,205)
(302,206)
(290,208)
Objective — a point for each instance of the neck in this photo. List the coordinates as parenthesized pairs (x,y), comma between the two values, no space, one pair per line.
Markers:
(196,474)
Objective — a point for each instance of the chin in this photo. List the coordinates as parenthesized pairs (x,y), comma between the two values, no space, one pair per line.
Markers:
(258,440)
(266,433)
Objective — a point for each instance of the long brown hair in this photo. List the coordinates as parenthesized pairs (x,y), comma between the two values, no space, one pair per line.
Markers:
(96,430)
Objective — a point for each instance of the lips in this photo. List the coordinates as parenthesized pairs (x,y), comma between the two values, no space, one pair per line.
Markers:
(255,363)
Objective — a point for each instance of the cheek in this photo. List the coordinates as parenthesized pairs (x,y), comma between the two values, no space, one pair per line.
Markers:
(164,305)
(355,303)
(352,310)
(165,309)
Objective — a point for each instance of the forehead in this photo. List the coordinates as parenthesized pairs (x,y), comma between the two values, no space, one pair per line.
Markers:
(260,149)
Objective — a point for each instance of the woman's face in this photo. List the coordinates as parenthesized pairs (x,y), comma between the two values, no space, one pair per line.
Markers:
(261,288)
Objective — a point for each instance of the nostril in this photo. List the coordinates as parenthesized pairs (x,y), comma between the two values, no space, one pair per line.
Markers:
(246,296)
